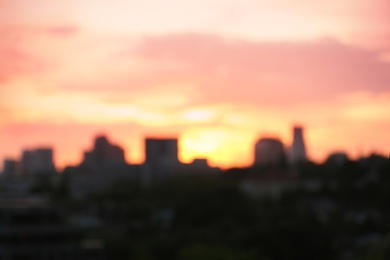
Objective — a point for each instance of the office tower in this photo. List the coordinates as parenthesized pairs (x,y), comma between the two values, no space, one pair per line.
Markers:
(161,159)
(37,161)
(269,152)
(27,162)
(43,160)
(10,167)
(162,152)
(298,149)
(104,153)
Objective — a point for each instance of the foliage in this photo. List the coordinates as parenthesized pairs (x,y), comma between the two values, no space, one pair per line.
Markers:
(210,217)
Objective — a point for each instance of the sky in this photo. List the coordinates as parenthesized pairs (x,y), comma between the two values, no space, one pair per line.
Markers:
(217,74)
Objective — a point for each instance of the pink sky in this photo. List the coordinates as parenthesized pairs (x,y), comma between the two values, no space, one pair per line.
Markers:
(218,74)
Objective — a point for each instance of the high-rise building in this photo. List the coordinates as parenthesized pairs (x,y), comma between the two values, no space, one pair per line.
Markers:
(43,159)
(269,152)
(104,153)
(298,148)
(10,167)
(163,152)
(161,158)
(27,162)
(37,161)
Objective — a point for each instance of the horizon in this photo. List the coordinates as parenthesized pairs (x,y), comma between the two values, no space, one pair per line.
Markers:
(287,150)
(217,75)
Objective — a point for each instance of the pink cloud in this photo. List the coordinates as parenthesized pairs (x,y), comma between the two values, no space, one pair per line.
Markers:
(81,55)
(25,52)
(14,62)
(237,71)
(63,31)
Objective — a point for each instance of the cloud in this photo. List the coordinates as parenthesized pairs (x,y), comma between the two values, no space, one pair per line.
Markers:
(214,69)
(253,66)
(30,51)
(17,63)
(178,72)
(268,73)
(63,31)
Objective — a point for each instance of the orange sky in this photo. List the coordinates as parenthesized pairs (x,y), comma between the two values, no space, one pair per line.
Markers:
(218,74)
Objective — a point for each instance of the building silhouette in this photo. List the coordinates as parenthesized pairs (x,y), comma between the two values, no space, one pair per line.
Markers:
(161,152)
(298,148)
(161,159)
(101,166)
(104,154)
(200,164)
(37,161)
(10,167)
(269,152)
(337,158)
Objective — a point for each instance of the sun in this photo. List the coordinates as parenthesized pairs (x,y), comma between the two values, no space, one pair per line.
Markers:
(222,146)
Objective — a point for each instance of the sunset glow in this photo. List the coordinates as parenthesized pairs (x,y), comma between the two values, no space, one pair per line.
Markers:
(216,74)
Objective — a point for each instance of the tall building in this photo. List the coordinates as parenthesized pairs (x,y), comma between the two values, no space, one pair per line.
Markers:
(104,153)
(163,152)
(298,148)
(269,152)
(102,165)
(37,161)
(161,159)
(10,167)
(27,162)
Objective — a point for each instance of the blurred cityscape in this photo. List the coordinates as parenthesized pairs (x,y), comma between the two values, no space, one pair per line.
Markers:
(282,207)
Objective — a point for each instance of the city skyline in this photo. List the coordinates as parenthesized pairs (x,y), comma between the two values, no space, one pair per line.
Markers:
(219,74)
(266,151)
